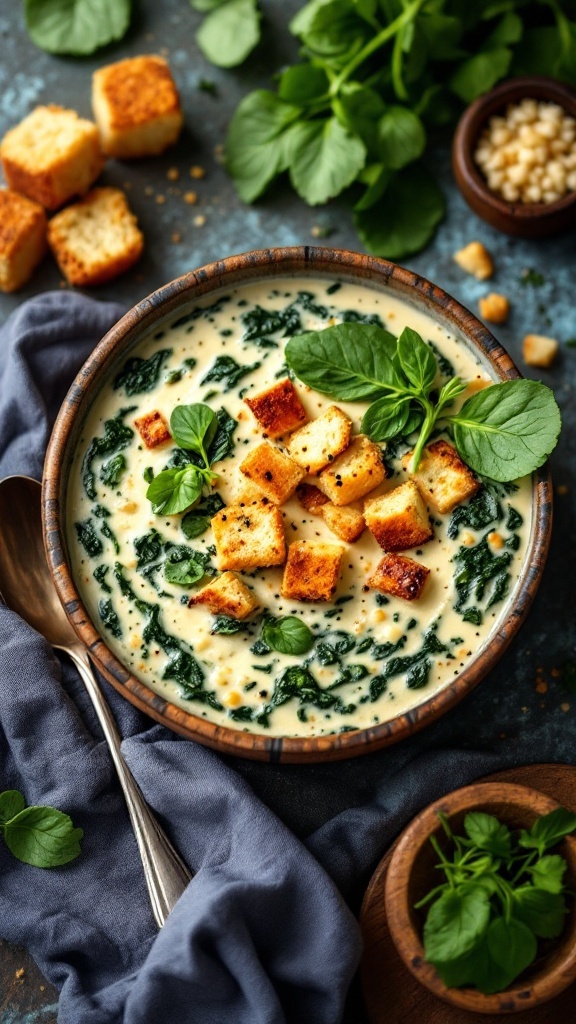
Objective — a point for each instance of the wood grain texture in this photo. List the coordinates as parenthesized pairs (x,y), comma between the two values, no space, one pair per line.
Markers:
(391,992)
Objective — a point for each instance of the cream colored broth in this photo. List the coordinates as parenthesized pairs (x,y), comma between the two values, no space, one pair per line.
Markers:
(237,677)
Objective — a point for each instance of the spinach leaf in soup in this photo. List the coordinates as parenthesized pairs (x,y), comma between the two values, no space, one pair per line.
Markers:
(260,323)
(479,571)
(223,443)
(112,471)
(481,511)
(109,617)
(138,375)
(184,566)
(197,520)
(89,539)
(117,436)
(227,371)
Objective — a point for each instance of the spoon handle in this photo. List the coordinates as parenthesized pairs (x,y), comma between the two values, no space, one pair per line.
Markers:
(166,874)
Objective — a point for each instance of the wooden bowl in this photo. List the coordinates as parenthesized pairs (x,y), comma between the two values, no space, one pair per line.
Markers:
(411,875)
(162,306)
(525,220)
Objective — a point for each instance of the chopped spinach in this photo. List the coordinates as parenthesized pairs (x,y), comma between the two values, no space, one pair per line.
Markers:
(260,647)
(109,617)
(444,365)
(138,375)
(112,471)
(482,510)
(473,615)
(184,566)
(513,520)
(223,444)
(260,323)
(200,311)
(99,574)
(352,316)
(89,539)
(116,437)
(102,513)
(148,548)
(197,521)
(334,646)
(532,277)
(298,681)
(478,568)
(415,666)
(227,370)
(307,301)
(226,625)
(350,674)
(241,714)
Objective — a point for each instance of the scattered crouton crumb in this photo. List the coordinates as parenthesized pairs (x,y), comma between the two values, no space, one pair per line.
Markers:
(160,199)
(176,237)
(541,686)
(565,707)
(475,259)
(172,174)
(197,172)
(562,490)
(148,191)
(20,973)
(538,350)
(200,220)
(494,307)
(191,198)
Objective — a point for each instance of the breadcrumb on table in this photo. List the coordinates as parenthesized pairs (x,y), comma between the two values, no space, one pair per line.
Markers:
(136,106)
(539,350)
(475,259)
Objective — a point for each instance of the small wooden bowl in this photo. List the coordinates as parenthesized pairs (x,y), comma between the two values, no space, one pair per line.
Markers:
(411,875)
(525,220)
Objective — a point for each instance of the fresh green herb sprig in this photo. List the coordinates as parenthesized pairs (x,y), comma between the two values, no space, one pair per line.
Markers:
(230,30)
(40,836)
(193,428)
(503,432)
(288,635)
(503,892)
(77,28)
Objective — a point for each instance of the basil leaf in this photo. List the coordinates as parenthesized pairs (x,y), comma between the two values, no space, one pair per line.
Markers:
(254,149)
(193,427)
(548,873)
(230,32)
(487,833)
(76,27)
(11,803)
(455,923)
(401,137)
(417,360)
(288,635)
(324,158)
(508,430)
(513,947)
(386,417)
(549,830)
(184,567)
(174,490)
(347,361)
(402,224)
(43,837)
(543,912)
(478,74)
(302,84)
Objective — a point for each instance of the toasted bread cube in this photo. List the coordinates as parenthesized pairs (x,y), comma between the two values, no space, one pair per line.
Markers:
(153,429)
(96,239)
(22,239)
(311,498)
(227,595)
(249,536)
(354,473)
(278,409)
(399,519)
(475,259)
(399,576)
(51,156)
(345,521)
(318,443)
(444,480)
(494,307)
(538,350)
(136,106)
(312,571)
(276,475)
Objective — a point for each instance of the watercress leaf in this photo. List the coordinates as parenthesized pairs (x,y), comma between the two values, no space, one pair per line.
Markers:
(417,360)
(512,945)
(193,427)
(401,137)
(548,873)
(230,32)
(508,30)
(377,177)
(405,218)
(333,29)
(479,73)
(442,33)
(43,837)
(194,526)
(184,570)
(174,490)
(359,109)
(348,361)
(11,803)
(464,970)
(386,417)
(288,635)
(487,833)
(508,430)
(76,27)
(455,923)
(544,912)
(303,84)
(206,5)
(324,159)
(548,830)
(254,154)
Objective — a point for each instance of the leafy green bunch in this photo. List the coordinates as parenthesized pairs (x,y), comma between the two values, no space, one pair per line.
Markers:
(376,75)
(194,428)
(503,892)
(503,432)
(41,836)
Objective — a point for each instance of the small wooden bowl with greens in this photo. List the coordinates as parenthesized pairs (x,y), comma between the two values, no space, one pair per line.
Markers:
(480,898)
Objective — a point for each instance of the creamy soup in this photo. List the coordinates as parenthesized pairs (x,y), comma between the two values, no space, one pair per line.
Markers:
(374,656)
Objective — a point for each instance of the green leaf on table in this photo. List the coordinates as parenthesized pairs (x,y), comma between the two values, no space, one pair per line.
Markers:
(548,873)
(479,73)
(324,158)
(401,137)
(487,833)
(288,635)
(43,837)
(76,27)
(549,830)
(348,361)
(417,360)
(194,427)
(302,84)
(544,912)
(405,218)
(174,490)
(230,32)
(455,923)
(255,152)
(11,803)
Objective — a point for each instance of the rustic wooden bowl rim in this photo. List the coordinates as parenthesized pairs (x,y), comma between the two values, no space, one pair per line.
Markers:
(161,305)
(547,981)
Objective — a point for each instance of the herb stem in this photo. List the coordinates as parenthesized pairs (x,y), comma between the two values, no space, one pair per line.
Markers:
(425,431)
(387,33)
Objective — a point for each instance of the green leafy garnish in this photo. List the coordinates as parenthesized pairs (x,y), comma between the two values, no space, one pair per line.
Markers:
(194,428)
(138,375)
(40,836)
(230,30)
(288,635)
(76,27)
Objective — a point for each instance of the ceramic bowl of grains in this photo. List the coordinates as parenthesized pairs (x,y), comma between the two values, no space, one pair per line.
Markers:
(514,157)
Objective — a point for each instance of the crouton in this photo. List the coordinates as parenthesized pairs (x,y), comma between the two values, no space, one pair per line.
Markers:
(444,480)
(494,307)
(276,475)
(96,239)
(226,595)
(354,473)
(345,521)
(398,520)
(51,156)
(318,443)
(399,576)
(278,409)
(312,571)
(249,536)
(538,350)
(310,497)
(22,239)
(475,259)
(153,429)
(136,106)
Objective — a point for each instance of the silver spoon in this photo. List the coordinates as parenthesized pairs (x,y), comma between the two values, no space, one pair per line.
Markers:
(37,602)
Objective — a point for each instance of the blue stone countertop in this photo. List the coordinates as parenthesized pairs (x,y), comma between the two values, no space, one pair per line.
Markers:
(526,693)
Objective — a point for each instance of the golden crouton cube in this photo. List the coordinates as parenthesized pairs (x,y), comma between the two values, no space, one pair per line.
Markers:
(354,473)
(153,429)
(22,239)
(494,307)
(345,521)
(318,443)
(398,520)
(227,595)
(51,156)
(538,350)
(276,475)
(444,480)
(475,259)
(278,409)
(96,239)
(312,571)
(310,497)
(136,106)
(249,536)
(399,576)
